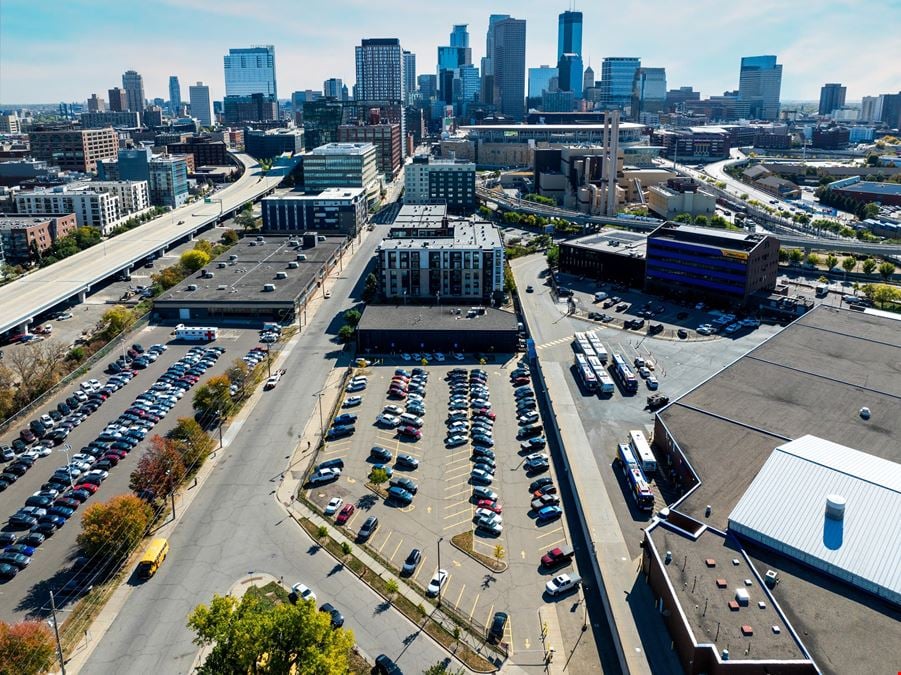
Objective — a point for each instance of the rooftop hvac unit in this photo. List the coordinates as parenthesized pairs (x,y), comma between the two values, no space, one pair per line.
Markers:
(192,287)
(293,242)
(222,265)
(232,257)
(281,275)
(268,288)
(293,265)
(222,287)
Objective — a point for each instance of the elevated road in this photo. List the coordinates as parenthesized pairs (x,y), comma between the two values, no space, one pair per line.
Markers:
(23,299)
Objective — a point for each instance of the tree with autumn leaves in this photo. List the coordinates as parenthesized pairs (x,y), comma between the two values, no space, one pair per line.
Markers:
(160,470)
(113,528)
(26,648)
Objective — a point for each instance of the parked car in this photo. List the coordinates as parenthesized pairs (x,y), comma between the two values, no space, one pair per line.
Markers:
(344,514)
(562,583)
(498,627)
(370,525)
(436,583)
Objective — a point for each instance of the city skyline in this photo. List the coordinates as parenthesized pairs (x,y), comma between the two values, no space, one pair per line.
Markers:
(318,43)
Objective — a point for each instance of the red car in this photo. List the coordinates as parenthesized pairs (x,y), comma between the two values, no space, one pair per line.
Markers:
(520,381)
(397,393)
(67,502)
(490,505)
(412,432)
(345,513)
(484,412)
(90,487)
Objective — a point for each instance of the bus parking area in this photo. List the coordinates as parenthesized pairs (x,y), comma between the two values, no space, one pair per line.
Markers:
(444,504)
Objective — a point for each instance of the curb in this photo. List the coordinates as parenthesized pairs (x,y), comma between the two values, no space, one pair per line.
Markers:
(481,562)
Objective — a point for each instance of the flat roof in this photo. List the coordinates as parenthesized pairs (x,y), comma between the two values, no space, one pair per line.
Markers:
(550,127)
(873,188)
(427,318)
(257,263)
(467,234)
(9,222)
(342,149)
(328,193)
(705,578)
(785,508)
(614,242)
(420,215)
(707,236)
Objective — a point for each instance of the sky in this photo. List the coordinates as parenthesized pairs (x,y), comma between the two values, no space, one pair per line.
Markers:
(65,50)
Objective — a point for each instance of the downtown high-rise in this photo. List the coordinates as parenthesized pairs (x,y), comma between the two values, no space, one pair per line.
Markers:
(174,95)
(508,62)
(569,52)
(760,83)
(250,70)
(201,107)
(133,84)
(380,71)
(617,81)
(832,97)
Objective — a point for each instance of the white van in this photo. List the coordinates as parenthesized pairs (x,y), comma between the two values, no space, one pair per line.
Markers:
(599,296)
(411,419)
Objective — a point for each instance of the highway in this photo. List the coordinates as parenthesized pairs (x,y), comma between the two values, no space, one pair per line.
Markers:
(44,289)
(235,525)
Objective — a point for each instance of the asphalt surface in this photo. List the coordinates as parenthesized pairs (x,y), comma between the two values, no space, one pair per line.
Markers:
(235,526)
(27,593)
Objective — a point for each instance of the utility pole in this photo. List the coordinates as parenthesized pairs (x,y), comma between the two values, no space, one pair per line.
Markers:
(59,646)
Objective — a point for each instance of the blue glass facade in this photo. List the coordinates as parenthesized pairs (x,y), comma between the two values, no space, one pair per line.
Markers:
(250,71)
(698,266)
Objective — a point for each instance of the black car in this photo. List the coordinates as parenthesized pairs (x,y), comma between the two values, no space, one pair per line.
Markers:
(337,617)
(385,666)
(39,501)
(7,539)
(498,626)
(345,418)
(540,483)
(44,528)
(404,483)
(413,559)
(17,469)
(33,539)
(63,408)
(73,403)
(8,571)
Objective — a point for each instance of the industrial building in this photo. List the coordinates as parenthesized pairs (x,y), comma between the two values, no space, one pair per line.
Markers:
(391,329)
(261,278)
(786,468)
(611,255)
(681,195)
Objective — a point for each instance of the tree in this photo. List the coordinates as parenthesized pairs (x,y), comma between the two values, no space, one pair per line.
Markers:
(212,397)
(871,210)
(795,255)
(352,316)
(509,280)
(499,552)
(192,442)
(886,270)
(346,548)
(253,635)
(683,218)
(26,648)
(370,287)
(112,529)
(321,532)
(869,266)
(346,333)
(230,237)
(553,256)
(391,586)
(716,220)
(378,476)
(160,470)
(783,255)
(701,220)
(848,264)
(116,320)
(194,259)
(831,262)
(168,277)
(882,294)
(245,219)
(441,668)
(813,259)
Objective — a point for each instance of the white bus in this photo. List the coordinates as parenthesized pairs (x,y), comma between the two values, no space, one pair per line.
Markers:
(642,451)
(196,334)
(605,382)
(586,374)
(598,347)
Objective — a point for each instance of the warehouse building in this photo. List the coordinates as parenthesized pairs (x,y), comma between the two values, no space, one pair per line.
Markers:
(611,255)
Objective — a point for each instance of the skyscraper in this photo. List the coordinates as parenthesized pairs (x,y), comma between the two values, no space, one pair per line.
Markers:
(588,79)
(832,97)
(333,88)
(870,109)
(570,79)
(459,37)
(133,84)
(617,79)
(541,79)
(200,104)
(649,91)
(118,101)
(509,63)
(174,95)
(96,104)
(409,75)
(250,70)
(487,94)
(380,70)
(760,82)
(569,34)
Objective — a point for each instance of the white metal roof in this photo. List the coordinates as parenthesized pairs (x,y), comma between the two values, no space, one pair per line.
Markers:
(784,508)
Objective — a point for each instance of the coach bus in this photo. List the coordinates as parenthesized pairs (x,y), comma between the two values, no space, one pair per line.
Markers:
(641,450)
(624,374)
(605,382)
(597,346)
(638,485)
(586,374)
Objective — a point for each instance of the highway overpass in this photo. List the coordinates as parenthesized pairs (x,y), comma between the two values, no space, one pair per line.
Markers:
(73,277)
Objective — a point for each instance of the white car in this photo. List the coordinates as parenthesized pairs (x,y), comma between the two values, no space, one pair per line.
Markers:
(538,456)
(644,372)
(454,440)
(439,356)
(388,421)
(100,473)
(458,426)
(327,295)
(458,357)
(704,329)
(47,421)
(325,475)
(303,592)
(394,410)
(81,396)
(562,583)
(272,381)
(489,515)
(436,583)
(406,357)
(334,504)
(352,401)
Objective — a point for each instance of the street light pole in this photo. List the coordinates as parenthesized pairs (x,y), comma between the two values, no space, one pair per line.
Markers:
(440,584)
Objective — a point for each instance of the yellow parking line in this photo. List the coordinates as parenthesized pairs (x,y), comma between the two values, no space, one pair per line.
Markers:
(421,566)
(456,485)
(385,542)
(510,627)
(490,614)
(460,597)
(453,474)
(396,549)
(458,524)
(457,513)
(548,534)
(553,544)
(474,605)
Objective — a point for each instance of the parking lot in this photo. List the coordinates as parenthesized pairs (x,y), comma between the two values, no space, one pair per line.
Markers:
(28,591)
(444,504)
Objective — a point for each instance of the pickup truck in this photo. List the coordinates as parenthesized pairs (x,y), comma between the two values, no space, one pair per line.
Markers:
(557,557)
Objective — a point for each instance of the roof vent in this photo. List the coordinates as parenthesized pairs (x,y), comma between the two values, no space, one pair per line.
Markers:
(865,413)
(221,265)
(192,287)
(268,288)
(293,265)
(281,275)
(222,287)
(835,507)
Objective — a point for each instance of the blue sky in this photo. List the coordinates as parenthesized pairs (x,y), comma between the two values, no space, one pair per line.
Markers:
(66,50)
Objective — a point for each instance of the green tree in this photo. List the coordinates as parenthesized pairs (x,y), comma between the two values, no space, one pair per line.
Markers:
(701,220)
(869,266)
(391,587)
(886,270)
(486,213)
(553,256)
(245,219)
(192,442)
(159,471)
(795,255)
(352,316)
(716,220)
(253,635)
(194,259)
(378,476)
(871,210)
(848,264)
(321,532)
(509,280)
(831,262)
(813,259)
(370,287)
(346,548)
(116,320)
(783,255)
(112,529)
(499,552)
(26,648)
(882,294)
(168,277)
(346,333)
(683,218)
(212,397)
(230,237)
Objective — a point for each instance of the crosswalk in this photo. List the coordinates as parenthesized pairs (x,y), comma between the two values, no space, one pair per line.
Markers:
(553,343)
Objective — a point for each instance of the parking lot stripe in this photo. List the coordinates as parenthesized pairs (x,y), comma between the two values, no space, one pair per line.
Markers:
(548,534)
(490,614)
(474,605)
(468,509)
(421,566)
(452,474)
(457,524)
(460,597)
(385,542)
(552,544)
(352,518)
(456,485)
(396,549)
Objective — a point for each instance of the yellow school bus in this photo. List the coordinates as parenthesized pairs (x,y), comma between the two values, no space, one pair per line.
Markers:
(153,557)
